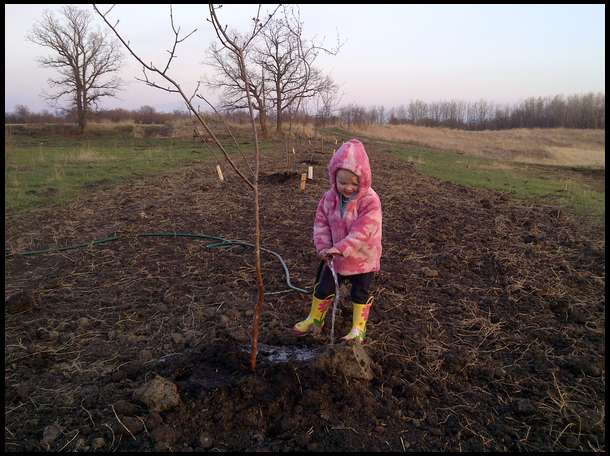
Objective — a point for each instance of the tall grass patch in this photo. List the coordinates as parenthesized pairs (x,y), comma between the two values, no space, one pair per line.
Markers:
(547,146)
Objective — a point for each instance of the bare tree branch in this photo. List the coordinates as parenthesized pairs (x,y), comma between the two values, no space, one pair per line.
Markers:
(288,60)
(227,128)
(176,89)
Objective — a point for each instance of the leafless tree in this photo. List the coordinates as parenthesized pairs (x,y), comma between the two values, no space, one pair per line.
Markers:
(281,71)
(288,61)
(228,79)
(328,101)
(86,60)
(238,46)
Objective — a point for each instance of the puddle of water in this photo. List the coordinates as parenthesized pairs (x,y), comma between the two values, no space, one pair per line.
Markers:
(285,354)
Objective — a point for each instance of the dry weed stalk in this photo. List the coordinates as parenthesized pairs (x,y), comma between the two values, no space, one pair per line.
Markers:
(70,441)
(113,439)
(121,423)
(88,414)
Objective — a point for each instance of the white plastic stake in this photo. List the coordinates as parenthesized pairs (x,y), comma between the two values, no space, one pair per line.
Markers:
(310,172)
(219,171)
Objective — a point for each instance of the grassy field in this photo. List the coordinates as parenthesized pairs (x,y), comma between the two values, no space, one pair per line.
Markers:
(578,190)
(52,169)
(573,180)
(550,146)
(43,169)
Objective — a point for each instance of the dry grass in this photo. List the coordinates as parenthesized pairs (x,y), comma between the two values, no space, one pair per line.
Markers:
(572,156)
(183,128)
(554,146)
(109,125)
(87,155)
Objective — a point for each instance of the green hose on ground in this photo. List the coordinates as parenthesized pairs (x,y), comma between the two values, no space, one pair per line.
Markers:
(222,244)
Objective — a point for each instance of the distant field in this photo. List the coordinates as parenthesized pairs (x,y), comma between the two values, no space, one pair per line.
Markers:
(578,190)
(553,146)
(42,168)
(572,183)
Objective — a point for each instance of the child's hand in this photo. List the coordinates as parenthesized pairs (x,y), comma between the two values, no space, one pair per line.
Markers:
(326,254)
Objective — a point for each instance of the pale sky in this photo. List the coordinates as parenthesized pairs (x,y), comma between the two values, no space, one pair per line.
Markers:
(392,54)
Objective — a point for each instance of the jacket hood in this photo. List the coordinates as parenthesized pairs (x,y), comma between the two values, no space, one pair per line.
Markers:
(352,156)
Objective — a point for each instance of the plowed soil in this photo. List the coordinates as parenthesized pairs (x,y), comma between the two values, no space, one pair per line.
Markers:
(487,331)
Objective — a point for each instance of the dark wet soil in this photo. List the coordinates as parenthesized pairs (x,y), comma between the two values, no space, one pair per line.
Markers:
(487,331)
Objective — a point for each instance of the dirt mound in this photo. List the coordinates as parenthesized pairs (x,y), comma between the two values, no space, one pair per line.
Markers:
(280,178)
(253,410)
(486,333)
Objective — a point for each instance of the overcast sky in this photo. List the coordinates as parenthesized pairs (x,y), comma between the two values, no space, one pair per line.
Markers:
(392,54)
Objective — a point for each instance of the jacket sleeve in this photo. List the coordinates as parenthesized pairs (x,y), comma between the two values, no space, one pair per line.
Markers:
(322,237)
(366,225)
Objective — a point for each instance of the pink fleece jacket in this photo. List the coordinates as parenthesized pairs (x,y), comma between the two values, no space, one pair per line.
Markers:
(356,234)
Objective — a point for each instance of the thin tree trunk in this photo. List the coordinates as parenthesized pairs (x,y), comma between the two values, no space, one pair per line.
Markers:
(257,222)
(262,119)
(278,108)
(80,114)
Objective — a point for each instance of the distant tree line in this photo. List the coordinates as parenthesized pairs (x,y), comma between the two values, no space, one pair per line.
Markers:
(144,115)
(574,111)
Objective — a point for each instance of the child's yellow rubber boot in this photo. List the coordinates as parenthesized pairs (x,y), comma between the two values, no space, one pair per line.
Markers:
(315,321)
(359,318)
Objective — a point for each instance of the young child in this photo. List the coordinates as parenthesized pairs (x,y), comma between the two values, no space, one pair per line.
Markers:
(347,228)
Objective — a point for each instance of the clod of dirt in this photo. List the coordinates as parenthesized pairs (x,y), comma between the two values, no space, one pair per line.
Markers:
(534,236)
(429,273)
(350,360)
(485,203)
(178,339)
(279,178)
(19,302)
(123,407)
(134,425)
(146,355)
(158,395)
(164,437)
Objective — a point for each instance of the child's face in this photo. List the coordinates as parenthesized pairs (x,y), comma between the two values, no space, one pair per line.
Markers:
(347,182)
